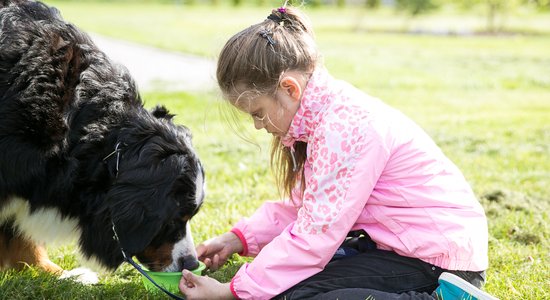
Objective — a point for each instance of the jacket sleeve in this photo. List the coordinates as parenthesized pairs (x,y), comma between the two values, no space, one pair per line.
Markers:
(343,170)
(264,225)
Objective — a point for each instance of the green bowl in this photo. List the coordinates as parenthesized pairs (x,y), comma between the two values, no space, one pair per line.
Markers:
(168,280)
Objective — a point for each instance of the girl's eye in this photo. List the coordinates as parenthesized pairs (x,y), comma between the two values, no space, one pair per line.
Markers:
(257,117)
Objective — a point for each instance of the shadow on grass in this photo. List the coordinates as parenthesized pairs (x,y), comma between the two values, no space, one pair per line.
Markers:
(32,283)
(35,284)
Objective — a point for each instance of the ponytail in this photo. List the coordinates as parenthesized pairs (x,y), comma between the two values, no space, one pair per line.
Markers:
(252,62)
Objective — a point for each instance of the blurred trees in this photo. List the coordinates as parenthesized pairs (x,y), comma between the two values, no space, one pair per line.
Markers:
(495,11)
(416,7)
(372,4)
(412,6)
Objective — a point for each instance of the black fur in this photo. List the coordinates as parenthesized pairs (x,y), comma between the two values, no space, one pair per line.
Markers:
(63,108)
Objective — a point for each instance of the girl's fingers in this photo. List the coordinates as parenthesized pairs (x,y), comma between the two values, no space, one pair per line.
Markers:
(216,261)
(208,263)
(187,282)
(201,250)
(188,276)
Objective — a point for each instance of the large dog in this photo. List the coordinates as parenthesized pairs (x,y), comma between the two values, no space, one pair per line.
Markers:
(81,158)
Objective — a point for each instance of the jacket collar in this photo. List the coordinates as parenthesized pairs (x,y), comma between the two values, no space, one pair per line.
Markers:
(316,95)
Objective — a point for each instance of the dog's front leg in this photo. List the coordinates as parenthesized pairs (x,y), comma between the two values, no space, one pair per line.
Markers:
(16,252)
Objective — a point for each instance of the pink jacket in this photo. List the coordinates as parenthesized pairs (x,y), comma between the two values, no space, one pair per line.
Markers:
(368,167)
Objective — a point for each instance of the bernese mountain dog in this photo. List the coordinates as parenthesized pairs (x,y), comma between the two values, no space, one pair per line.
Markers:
(81,158)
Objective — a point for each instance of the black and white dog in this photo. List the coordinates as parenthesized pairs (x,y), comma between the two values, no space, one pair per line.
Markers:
(81,158)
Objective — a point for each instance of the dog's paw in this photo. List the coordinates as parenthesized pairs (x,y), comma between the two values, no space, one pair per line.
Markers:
(82,275)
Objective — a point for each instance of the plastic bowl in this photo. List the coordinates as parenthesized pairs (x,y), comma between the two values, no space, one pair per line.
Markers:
(168,280)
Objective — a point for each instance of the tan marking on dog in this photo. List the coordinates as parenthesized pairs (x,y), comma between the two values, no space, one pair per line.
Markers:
(20,252)
(34,230)
(157,258)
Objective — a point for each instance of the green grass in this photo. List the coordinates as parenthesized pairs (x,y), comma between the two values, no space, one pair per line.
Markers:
(484,99)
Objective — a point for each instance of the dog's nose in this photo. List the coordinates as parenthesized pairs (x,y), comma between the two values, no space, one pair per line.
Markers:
(189,262)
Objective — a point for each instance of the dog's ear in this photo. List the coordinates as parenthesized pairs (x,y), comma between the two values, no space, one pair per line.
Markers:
(161,112)
(136,222)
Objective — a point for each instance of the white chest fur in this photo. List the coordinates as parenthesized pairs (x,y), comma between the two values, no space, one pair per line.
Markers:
(44,225)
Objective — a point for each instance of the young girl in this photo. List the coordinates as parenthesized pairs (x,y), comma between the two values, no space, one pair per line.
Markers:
(375,208)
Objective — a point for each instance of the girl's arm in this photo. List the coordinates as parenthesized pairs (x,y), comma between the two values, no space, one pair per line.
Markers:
(264,225)
(339,184)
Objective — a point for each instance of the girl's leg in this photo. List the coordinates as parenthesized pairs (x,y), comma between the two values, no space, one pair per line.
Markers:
(368,294)
(374,273)
(461,285)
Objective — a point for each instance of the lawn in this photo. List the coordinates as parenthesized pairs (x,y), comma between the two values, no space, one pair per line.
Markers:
(484,99)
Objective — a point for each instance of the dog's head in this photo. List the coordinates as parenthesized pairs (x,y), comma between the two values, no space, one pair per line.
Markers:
(74,105)
(158,188)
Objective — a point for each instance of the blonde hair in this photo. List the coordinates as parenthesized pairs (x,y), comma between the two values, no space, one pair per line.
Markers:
(253,60)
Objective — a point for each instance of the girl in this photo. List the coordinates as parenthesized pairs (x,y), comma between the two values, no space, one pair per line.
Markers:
(375,208)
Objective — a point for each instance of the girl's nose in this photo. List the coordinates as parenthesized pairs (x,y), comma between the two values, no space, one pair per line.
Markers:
(258,124)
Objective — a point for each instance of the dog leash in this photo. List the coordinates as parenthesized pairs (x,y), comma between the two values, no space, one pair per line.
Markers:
(140,270)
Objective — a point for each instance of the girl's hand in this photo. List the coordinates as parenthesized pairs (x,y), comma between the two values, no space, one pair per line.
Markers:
(203,287)
(215,252)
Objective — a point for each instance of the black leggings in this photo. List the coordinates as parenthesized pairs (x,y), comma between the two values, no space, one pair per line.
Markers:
(374,274)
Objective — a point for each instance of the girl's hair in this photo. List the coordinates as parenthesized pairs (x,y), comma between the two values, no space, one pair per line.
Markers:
(252,62)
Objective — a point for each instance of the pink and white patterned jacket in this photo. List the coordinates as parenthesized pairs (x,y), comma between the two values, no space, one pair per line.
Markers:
(368,167)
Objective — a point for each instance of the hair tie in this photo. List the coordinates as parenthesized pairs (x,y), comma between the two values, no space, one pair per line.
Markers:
(276,18)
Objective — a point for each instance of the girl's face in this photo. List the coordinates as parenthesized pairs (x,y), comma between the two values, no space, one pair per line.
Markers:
(275,113)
